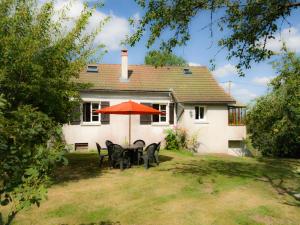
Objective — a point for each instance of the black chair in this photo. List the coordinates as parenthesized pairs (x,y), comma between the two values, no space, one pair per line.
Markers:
(140,143)
(101,156)
(108,142)
(120,157)
(157,152)
(110,150)
(140,150)
(151,155)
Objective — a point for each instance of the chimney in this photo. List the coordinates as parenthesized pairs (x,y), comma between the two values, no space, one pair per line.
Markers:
(124,65)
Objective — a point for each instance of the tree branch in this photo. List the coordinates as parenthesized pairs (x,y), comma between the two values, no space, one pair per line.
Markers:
(289,5)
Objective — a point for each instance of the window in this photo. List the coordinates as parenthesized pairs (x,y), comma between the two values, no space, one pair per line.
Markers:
(81,146)
(88,112)
(236,116)
(187,71)
(200,112)
(161,118)
(235,144)
(92,69)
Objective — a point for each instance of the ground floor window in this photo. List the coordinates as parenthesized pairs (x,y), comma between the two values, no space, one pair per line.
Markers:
(235,144)
(200,113)
(88,112)
(236,116)
(162,117)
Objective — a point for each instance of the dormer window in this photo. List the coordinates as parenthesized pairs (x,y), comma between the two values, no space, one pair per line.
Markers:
(93,69)
(186,71)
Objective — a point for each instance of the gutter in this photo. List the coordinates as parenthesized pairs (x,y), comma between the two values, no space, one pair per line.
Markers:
(125,91)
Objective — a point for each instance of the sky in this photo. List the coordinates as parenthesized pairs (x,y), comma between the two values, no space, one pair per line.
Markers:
(198,51)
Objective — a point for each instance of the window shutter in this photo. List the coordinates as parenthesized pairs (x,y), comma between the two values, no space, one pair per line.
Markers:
(146,119)
(75,115)
(171,113)
(105,118)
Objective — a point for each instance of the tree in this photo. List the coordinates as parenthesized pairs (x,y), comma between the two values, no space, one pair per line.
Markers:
(39,59)
(39,63)
(158,58)
(250,24)
(273,121)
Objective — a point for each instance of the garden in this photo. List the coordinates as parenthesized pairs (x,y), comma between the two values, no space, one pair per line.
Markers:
(183,189)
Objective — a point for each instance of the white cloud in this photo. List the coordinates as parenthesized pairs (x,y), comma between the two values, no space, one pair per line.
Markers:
(289,36)
(112,33)
(194,64)
(265,80)
(243,94)
(225,70)
(240,93)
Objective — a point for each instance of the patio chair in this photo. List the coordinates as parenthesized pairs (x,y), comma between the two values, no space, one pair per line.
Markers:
(110,150)
(120,157)
(108,142)
(101,156)
(140,150)
(151,155)
(157,152)
(140,143)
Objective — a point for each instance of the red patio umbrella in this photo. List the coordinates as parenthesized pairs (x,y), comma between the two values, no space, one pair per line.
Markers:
(129,108)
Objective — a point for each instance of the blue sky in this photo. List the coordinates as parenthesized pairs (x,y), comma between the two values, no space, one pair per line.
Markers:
(197,51)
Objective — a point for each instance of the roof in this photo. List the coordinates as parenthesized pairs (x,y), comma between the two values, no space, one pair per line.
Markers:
(200,86)
(238,104)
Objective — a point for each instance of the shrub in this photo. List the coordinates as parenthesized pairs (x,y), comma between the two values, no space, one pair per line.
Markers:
(177,138)
(193,143)
(171,140)
(30,146)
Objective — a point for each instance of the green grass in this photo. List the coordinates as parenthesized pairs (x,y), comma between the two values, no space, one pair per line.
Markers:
(183,189)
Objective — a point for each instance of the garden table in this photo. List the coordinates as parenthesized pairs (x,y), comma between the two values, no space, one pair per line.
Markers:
(132,151)
(131,147)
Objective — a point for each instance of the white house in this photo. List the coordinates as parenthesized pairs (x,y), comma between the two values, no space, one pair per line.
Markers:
(190,97)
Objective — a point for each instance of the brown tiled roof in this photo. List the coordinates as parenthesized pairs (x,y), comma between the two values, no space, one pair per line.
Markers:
(200,86)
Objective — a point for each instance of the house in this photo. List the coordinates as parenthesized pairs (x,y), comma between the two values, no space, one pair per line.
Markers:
(190,97)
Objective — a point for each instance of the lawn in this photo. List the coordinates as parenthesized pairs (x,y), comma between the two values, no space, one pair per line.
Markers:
(183,189)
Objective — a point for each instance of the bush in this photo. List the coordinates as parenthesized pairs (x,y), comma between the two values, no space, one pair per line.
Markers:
(171,140)
(193,143)
(177,138)
(30,146)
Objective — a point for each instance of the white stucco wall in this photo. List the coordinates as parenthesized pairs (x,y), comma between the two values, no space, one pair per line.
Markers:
(117,130)
(213,133)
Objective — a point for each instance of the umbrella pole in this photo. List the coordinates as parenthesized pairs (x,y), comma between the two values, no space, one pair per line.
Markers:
(129,129)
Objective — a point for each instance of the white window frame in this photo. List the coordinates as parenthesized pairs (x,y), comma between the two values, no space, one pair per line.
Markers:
(204,119)
(91,114)
(159,116)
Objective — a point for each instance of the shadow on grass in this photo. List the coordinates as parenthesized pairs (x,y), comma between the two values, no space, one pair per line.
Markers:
(279,173)
(99,223)
(164,158)
(84,166)
(80,166)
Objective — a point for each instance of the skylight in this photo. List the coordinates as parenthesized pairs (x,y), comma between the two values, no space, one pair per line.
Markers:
(93,69)
(186,71)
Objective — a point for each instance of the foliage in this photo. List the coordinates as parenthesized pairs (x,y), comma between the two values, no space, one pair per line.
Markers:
(175,138)
(159,58)
(171,139)
(39,61)
(250,24)
(178,138)
(30,145)
(38,57)
(274,121)
(193,143)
